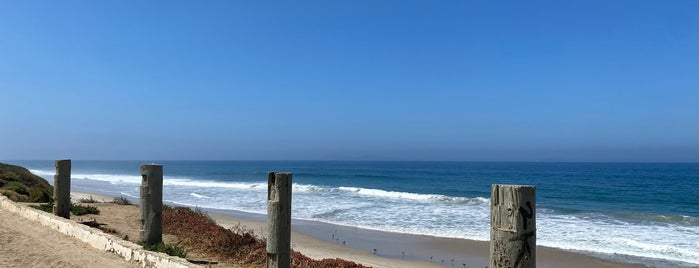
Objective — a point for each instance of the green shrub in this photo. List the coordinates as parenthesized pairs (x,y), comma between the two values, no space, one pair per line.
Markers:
(12,195)
(17,187)
(27,186)
(44,207)
(167,249)
(79,210)
(40,195)
(9,176)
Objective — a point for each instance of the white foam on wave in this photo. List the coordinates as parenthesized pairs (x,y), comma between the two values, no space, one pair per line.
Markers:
(129,194)
(604,234)
(414,196)
(112,178)
(309,188)
(198,195)
(179,181)
(214,184)
(167,180)
(42,173)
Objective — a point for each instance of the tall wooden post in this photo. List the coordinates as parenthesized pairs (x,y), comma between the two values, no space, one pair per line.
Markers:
(61,189)
(513,226)
(278,220)
(151,204)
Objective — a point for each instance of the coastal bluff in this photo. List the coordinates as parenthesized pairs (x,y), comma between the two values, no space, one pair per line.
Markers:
(20,185)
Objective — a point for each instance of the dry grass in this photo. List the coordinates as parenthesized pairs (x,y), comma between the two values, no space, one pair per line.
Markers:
(120,200)
(88,200)
(196,231)
(301,261)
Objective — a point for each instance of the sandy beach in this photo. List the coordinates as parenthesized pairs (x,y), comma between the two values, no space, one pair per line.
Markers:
(399,250)
(320,240)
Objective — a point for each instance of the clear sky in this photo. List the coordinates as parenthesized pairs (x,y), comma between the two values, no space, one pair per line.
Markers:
(350,80)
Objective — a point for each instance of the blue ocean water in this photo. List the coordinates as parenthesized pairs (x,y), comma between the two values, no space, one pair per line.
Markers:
(647,212)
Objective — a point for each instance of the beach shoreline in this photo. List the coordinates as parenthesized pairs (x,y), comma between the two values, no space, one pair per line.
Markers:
(444,199)
(320,240)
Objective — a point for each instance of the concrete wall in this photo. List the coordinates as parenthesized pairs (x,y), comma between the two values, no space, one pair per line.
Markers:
(129,251)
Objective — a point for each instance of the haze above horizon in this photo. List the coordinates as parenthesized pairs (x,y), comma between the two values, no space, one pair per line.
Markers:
(361,80)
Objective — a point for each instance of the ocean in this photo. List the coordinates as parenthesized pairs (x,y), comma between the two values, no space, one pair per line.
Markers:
(633,212)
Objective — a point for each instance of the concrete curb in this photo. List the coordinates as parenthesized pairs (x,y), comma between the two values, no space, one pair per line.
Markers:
(94,237)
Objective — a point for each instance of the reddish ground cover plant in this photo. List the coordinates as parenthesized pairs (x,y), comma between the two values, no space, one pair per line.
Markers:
(196,231)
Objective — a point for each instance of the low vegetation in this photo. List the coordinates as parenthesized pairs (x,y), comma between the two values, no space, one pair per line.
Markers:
(197,232)
(120,200)
(171,250)
(48,207)
(76,209)
(88,200)
(94,224)
(20,185)
(79,210)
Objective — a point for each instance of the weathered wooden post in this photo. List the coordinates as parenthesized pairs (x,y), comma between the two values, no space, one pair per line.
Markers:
(151,204)
(512,226)
(61,189)
(278,220)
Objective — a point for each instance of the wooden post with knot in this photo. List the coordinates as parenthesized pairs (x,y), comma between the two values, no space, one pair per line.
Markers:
(278,220)
(512,226)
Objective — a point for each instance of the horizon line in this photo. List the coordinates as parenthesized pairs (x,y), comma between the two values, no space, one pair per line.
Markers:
(368,160)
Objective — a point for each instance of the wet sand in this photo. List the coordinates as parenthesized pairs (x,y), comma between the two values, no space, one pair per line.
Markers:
(322,240)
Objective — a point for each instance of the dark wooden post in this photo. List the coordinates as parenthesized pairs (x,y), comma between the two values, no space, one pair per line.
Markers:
(151,204)
(61,189)
(513,226)
(278,220)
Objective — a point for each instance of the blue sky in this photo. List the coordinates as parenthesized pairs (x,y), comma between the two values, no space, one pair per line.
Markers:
(351,80)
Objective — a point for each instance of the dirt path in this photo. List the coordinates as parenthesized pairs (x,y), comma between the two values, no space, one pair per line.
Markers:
(24,243)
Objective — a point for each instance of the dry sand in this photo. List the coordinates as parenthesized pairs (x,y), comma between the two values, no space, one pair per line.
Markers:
(24,243)
(318,249)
